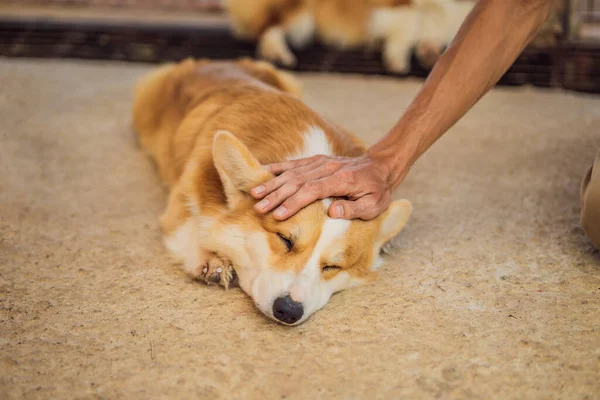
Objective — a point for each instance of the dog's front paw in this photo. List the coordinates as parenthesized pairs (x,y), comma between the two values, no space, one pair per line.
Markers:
(397,65)
(273,47)
(218,270)
(277,56)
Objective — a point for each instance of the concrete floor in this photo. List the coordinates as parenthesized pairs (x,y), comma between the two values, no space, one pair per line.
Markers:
(493,290)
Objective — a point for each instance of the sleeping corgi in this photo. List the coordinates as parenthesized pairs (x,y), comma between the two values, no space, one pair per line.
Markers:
(209,126)
(400,25)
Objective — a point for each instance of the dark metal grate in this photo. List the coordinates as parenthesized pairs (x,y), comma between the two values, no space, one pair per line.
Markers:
(581,67)
(160,43)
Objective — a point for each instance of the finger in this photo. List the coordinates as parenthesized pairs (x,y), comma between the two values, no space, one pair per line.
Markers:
(275,183)
(309,173)
(308,193)
(365,208)
(278,196)
(268,187)
(279,168)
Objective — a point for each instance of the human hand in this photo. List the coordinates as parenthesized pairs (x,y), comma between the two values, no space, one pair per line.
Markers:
(362,181)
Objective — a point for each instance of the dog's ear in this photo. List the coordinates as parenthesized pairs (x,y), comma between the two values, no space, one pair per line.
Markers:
(237,167)
(393,220)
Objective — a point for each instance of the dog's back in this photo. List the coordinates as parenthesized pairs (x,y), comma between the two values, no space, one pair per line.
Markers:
(174,104)
(210,126)
(179,108)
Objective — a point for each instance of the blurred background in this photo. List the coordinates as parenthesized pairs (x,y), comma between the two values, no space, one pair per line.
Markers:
(565,54)
(493,290)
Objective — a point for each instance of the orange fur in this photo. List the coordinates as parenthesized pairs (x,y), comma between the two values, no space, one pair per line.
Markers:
(399,25)
(178,111)
(338,21)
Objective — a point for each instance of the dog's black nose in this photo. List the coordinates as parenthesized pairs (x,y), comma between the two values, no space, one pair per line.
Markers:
(287,310)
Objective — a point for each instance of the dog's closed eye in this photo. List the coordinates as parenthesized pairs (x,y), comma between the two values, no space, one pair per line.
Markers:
(329,268)
(289,245)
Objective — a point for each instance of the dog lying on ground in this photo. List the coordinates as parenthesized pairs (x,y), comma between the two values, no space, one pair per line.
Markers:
(426,26)
(209,126)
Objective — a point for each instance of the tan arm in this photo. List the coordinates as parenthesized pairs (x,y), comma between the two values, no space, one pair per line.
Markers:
(489,41)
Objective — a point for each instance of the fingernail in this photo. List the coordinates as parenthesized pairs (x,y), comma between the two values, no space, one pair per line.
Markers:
(261,205)
(266,167)
(338,211)
(258,189)
(280,211)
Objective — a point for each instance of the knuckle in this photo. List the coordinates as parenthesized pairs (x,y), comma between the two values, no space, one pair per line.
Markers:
(312,187)
(284,167)
(331,165)
(289,174)
(350,213)
(352,207)
(366,212)
(364,206)
(297,183)
(368,205)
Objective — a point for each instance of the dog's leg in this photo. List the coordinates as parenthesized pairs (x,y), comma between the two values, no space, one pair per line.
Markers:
(398,28)
(397,53)
(183,226)
(297,28)
(300,29)
(273,47)
(217,269)
(186,245)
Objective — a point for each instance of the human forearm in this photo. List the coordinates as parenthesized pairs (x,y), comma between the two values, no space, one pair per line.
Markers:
(489,41)
(491,38)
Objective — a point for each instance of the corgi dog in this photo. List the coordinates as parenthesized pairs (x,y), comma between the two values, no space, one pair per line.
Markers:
(426,26)
(209,126)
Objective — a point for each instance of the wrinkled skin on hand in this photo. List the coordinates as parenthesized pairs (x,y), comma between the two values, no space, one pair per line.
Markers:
(361,183)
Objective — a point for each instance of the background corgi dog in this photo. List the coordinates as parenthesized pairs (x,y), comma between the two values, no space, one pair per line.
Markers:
(399,25)
(209,126)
